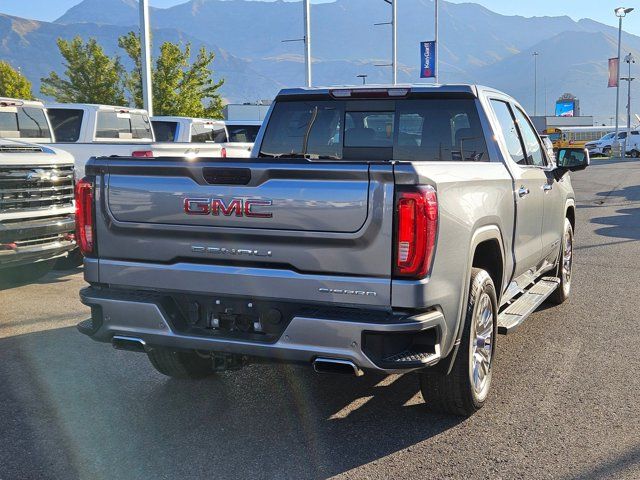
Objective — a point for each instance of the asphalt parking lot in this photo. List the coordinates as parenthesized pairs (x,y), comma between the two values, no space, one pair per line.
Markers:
(564,402)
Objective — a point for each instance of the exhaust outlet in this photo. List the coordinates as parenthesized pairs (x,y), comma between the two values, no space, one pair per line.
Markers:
(129,344)
(334,365)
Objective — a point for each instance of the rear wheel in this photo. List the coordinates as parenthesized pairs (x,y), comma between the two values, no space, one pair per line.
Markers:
(464,390)
(180,364)
(565,266)
(634,153)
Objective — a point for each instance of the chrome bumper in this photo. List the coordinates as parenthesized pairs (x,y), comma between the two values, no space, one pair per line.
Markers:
(304,339)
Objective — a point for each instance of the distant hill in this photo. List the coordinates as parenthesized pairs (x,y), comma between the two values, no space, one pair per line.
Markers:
(478,45)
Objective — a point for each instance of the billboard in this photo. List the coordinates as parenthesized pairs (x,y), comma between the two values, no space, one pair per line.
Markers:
(565,108)
(427,59)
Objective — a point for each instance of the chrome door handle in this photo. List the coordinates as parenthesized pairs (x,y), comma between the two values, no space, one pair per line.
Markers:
(523,191)
(547,186)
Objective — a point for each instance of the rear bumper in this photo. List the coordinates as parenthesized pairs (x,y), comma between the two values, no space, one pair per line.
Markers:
(306,337)
(35,240)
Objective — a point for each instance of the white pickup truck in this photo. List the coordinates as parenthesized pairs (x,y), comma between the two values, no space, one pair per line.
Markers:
(87,130)
(36,192)
(231,139)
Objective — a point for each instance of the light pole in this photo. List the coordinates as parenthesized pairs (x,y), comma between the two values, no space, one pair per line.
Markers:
(145,50)
(535,84)
(306,39)
(437,39)
(620,12)
(364,78)
(394,40)
(629,59)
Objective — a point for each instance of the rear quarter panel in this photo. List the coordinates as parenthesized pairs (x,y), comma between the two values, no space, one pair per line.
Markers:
(475,203)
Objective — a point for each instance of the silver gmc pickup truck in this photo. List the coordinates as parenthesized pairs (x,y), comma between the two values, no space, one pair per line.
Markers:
(391,229)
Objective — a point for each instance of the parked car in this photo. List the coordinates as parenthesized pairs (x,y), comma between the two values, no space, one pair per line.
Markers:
(211,134)
(36,190)
(604,145)
(87,130)
(394,229)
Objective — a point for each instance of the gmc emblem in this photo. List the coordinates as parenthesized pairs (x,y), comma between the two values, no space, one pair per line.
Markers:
(239,207)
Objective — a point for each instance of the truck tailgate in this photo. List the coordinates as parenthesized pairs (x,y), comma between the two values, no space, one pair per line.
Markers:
(295,218)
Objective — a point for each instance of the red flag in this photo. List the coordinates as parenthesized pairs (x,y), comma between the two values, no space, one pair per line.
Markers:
(614,65)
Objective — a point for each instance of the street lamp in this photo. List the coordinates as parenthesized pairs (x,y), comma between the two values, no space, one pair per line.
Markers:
(620,12)
(364,78)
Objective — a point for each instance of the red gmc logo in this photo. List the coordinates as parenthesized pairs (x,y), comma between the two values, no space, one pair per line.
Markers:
(239,207)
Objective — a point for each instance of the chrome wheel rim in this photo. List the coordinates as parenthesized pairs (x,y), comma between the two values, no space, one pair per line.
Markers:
(567,259)
(482,346)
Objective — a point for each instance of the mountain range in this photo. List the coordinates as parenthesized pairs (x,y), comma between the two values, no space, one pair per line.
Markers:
(477,45)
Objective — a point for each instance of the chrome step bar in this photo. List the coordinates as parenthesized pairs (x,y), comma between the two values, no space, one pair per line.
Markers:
(518,311)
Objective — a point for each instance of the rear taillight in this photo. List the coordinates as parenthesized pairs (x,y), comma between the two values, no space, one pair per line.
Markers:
(223,152)
(142,154)
(84,216)
(416,227)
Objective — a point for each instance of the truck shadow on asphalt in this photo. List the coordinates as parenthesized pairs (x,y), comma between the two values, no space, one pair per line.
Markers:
(43,274)
(626,223)
(85,410)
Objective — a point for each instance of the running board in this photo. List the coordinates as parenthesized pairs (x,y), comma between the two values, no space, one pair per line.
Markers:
(516,313)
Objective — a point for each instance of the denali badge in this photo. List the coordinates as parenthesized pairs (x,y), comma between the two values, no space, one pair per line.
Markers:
(231,251)
(239,207)
(341,291)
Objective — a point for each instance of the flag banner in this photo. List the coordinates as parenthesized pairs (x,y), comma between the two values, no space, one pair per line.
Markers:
(427,59)
(614,65)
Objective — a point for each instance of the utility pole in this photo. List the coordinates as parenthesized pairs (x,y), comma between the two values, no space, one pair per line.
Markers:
(307,39)
(145,44)
(437,39)
(629,59)
(535,84)
(394,39)
(620,12)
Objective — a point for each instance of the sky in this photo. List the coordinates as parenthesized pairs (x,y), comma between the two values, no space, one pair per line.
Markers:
(600,10)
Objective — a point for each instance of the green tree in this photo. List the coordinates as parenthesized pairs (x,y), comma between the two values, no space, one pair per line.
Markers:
(13,84)
(91,75)
(180,86)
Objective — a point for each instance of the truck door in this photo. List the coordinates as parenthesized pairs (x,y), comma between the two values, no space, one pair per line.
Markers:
(553,206)
(529,178)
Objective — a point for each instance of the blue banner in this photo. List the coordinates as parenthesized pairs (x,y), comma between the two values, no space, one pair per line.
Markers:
(427,59)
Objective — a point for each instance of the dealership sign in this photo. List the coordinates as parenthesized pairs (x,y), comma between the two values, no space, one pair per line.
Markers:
(427,59)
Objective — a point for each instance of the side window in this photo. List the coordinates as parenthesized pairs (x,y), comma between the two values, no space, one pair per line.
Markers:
(509,131)
(531,142)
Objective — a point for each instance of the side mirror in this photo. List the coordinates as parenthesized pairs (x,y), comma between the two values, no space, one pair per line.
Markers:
(572,159)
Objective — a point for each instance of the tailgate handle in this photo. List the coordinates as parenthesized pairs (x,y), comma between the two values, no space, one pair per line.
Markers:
(226,176)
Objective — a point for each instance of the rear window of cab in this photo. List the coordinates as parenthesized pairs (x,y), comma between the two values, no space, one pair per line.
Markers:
(426,129)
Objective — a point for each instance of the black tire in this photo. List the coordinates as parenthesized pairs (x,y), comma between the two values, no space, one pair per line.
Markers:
(180,364)
(634,154)
(565,259)
(606,151)
(455,393)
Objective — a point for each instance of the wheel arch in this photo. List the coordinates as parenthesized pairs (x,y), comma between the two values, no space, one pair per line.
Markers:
(485,242)
(570,213)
